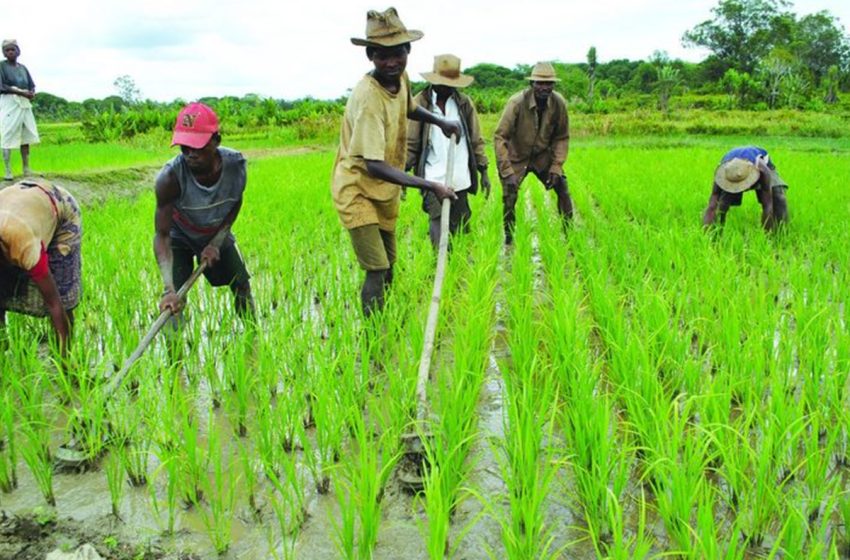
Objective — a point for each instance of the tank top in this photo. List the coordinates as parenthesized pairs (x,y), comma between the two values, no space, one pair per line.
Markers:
(200,210)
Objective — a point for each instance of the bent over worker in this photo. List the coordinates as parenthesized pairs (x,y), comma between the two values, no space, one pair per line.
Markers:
(199,194)
(427,147)
(533,136)
(742,169)
(40,264)
(369,168)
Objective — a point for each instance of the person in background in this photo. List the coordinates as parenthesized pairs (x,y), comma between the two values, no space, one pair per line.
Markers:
(742,169)
(40,262)
(17,123)
(427,147)
(198,198)
(533,137)
(368,172)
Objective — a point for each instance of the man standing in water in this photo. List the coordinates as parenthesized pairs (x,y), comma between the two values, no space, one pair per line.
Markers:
(743,169)
(369,169)
(533,136)
(427,148)
(198,197)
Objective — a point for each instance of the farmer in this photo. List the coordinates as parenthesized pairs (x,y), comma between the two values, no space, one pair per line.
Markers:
(368,171)
(199,195)
(17,124)
(427,147)
(533,137)
(40,233)
(742,169)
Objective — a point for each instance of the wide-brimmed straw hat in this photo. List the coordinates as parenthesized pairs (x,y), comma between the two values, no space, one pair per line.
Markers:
(385,29)
(447,72)
(736,175)
(543,72)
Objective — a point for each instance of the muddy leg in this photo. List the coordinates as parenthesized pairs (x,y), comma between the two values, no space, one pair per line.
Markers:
(7,162)
(565,203)
(25,159)
(372,292)
(509,198)
(244,301)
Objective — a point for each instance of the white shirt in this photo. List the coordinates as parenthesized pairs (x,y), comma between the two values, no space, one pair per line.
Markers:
(437,158)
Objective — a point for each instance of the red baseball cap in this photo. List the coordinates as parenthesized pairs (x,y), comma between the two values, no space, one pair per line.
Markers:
(196,123)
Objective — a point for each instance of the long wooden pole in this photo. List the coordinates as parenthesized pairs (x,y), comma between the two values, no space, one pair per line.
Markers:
(434,310)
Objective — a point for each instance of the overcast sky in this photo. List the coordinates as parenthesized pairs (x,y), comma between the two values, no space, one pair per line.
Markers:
(290,49)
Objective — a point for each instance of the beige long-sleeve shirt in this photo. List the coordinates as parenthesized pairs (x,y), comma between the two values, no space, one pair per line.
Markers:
(523,142)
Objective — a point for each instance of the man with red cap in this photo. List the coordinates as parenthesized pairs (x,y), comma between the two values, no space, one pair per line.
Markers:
(199,195)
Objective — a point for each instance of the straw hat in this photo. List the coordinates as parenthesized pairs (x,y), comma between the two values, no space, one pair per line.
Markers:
(543,72)
(736,175)
(385,29)
(447,72)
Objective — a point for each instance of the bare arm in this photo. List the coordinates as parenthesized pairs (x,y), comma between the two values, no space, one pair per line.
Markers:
(448,127)
(167,192)
(386,172)
(47,286)
(711,211)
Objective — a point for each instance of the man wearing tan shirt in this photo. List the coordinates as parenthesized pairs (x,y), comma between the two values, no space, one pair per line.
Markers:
(369,168)
(533,137)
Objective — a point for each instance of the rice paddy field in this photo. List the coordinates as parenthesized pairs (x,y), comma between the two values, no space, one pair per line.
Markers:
(632,388)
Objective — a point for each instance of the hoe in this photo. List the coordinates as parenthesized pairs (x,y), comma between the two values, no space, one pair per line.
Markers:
(415,441)
(73,454)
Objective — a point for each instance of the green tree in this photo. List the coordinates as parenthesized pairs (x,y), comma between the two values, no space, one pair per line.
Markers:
(591,75)
(742,31)
(669,79)
(831,83)
(820,42)
(127,90)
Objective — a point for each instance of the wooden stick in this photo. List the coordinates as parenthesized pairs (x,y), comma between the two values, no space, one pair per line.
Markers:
(434,310)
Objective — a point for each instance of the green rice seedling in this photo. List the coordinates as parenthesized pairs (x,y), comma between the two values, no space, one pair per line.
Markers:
(330,427)
(219,490)
(136,459)
(528,468)
(286,549)
(374,460)
(843,507)
(818,461)
(8,451)
(266,439)
(791,540)
(191,456)
(170,468)
(677,476)
(114,469)
(620,546)
(35,451)
(345,522)
(437,506)
(249,478)
(289,495)
(242,378)
(597,457)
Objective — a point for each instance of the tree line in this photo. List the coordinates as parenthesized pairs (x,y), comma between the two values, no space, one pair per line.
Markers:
(763,56)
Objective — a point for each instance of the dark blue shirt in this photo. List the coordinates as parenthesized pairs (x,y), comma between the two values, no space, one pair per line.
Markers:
(749,153)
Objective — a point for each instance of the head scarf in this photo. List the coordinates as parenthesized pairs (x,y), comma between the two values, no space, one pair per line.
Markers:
(11,43)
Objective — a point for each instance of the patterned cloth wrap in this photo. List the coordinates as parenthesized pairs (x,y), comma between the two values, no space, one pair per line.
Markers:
(21,295)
